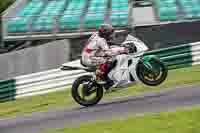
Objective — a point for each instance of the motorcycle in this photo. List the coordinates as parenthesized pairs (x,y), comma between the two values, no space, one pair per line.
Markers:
(126,69)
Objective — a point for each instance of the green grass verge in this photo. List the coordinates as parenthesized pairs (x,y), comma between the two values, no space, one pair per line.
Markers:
(62,99)
(181,121)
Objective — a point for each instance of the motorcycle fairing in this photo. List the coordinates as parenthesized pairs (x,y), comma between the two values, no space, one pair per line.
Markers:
(123,71)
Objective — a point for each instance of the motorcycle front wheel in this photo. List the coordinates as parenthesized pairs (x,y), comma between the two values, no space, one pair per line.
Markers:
(86,92)
(154,76)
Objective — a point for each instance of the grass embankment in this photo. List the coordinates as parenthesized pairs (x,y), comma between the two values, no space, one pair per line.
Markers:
(182,121)
(63,99)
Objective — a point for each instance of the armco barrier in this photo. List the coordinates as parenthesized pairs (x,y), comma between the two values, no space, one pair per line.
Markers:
(179,56)
(7,90)
(54,80)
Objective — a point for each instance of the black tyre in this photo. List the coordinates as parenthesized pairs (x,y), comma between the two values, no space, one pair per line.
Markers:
(155,78)
(81,96)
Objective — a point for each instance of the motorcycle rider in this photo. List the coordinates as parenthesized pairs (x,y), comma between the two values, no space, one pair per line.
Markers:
(97,51)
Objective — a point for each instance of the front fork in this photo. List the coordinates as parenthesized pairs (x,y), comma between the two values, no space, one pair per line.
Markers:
(89,88)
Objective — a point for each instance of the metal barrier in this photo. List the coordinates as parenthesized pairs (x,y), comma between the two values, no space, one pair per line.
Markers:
(54,80)
(179,56)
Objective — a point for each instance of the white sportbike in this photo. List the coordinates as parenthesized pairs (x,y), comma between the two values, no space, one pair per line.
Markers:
(126,69)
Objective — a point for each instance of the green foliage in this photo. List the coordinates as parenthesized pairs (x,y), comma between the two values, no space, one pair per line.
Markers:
(4,4)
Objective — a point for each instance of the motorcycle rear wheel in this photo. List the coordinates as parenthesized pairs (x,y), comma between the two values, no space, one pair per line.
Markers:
(146,77)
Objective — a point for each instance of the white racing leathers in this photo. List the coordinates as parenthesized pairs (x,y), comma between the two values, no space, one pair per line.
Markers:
(121,73)
(95,48)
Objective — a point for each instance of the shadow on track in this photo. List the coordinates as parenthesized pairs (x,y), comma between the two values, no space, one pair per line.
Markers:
(124,100)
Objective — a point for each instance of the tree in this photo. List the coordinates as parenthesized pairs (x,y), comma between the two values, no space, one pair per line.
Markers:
(4,4)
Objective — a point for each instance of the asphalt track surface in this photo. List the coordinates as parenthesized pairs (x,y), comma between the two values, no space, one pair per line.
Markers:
(167,100)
